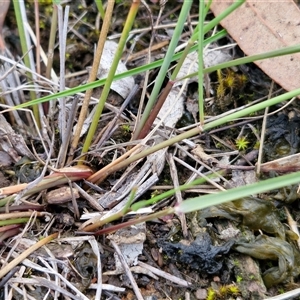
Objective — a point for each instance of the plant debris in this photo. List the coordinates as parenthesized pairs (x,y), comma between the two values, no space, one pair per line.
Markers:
(200,255)
(270,248)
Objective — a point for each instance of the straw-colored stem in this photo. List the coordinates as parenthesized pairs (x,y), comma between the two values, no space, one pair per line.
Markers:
(115,216)
(106,170)
(24,46)
(92,77)
(127,27)
(102,174)
(26,253)
(159,214)
(19,215)
(64,175)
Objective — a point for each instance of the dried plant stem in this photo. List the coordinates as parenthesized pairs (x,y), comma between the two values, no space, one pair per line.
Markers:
(107,169)
(26,253)
(61,177)
(19,8)
(62,115)
(20,215)
(128,25)
(115,216)
(293,225)
(178,195)
(161,100)
(127,271)
(263,132)
(38,39)
(92,77)
(114,228)
(111,168)
(52,36)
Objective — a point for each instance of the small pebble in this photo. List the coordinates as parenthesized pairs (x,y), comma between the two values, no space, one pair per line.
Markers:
(201,294)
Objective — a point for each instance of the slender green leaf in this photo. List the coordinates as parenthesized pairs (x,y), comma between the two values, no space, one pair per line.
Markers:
(101,82)
(201,202)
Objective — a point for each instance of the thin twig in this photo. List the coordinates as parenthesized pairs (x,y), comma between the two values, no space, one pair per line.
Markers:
(26,253)
(112,123)
(178,195)
(127,270)
(165,275)
(62,116)
(93,202)
(263,133)
(92,77)
(95,248)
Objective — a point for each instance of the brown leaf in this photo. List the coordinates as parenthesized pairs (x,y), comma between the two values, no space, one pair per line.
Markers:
(261,26)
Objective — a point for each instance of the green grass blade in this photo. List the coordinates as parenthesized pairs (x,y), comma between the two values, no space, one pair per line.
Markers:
(166,63)
(201,202)
(201,62)
(256,57)
(250,110)
(127,27)
(101,82)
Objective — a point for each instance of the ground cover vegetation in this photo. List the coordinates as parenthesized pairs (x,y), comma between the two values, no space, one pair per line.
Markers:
(145,153)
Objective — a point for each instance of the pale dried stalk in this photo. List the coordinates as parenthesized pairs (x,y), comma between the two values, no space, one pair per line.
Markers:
(165,275)
(128,272)
(92,77)
(22,214)
(26,253)
(178,195)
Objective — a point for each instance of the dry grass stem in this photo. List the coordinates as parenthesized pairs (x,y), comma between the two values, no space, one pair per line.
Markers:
(26,253)
(165,275)
(127,271)
(92,77)
(178,195)
(23,214)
